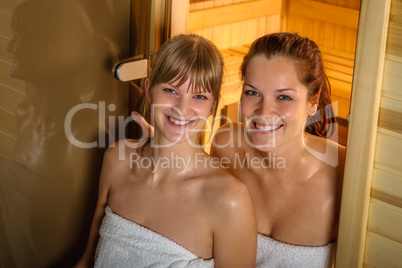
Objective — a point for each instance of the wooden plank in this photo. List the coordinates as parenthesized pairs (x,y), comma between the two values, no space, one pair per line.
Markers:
(233,60)
(396,12)
(393,76)
(390,116)
(385,220)
(233,69)
(325,12)
(340,88)
(338,67)
(179,16)
(382,252)
(339,41)
(387,185)
(231,93)
(233,13)
(388,151)
(366,90)
(239,50)
(340,76)
(350,40)
(338,60)
(394,43)
(338,53)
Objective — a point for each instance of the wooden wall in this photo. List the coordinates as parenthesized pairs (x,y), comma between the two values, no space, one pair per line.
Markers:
(332,24)
(12,91)
(371,214)
(234,24)
(230,23)
(384,228)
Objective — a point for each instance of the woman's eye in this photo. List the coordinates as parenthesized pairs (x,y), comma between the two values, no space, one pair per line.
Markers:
(284,97)
(250,93)
(169,90)
(200,97)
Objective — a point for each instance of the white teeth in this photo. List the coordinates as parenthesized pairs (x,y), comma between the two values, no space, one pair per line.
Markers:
(267,127)
(179,122)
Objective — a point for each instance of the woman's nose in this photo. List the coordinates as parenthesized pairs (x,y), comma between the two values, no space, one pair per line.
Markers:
(182,107)
(266,108)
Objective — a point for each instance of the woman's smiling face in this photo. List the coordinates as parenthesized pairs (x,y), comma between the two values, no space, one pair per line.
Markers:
(179,113)
(274,104)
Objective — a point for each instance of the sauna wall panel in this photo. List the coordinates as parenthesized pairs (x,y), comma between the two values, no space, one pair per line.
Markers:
(394,44)
(360,151)
(392,77)
(384,237)
(382,252)
(387,184)
(333,26)
(234,22)
(233,25)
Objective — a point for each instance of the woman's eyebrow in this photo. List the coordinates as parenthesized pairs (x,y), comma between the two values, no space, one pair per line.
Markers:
(246,84)
(287,89)
(175,87)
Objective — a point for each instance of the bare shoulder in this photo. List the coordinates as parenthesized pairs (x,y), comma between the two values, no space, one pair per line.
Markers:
(123,148)
(326,151)
(116,160)
(226,194)
(227,139)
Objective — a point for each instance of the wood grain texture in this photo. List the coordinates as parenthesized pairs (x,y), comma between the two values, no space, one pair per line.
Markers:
(366,90)
(392,77)
(387,184)
(206,18)
(325,12)
(390,116)
(382,252)
(385,220)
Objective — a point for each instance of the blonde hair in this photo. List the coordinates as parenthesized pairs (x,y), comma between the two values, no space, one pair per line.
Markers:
(184,57)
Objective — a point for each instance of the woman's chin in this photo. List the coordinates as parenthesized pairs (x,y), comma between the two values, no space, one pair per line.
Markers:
(261,143)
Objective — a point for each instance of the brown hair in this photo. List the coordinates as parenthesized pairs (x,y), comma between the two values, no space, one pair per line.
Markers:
(306,56)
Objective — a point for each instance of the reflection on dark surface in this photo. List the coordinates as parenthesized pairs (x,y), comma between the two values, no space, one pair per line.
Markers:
(48,187)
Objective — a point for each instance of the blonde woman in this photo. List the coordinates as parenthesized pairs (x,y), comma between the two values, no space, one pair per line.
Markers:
(167,203)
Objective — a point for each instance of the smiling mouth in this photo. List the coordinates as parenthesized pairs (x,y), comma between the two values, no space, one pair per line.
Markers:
(179,122)
(265,127)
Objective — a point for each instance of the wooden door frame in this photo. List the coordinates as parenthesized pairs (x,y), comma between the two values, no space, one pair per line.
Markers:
(364,109)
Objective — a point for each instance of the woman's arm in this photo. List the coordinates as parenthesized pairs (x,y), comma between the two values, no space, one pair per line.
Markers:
(87,259)
(235,228)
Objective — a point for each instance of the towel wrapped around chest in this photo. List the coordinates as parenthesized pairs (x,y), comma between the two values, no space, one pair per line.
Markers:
(275,254)
(124,243)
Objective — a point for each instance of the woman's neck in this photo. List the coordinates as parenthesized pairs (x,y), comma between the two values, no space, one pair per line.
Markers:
(178,159)
(289,155)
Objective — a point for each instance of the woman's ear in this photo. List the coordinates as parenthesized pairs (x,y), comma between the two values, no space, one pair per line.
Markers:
(146,86)
(314,105)
(215,105)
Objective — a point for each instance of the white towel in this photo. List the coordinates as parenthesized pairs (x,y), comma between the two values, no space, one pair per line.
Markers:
(124,243)
(273,253)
